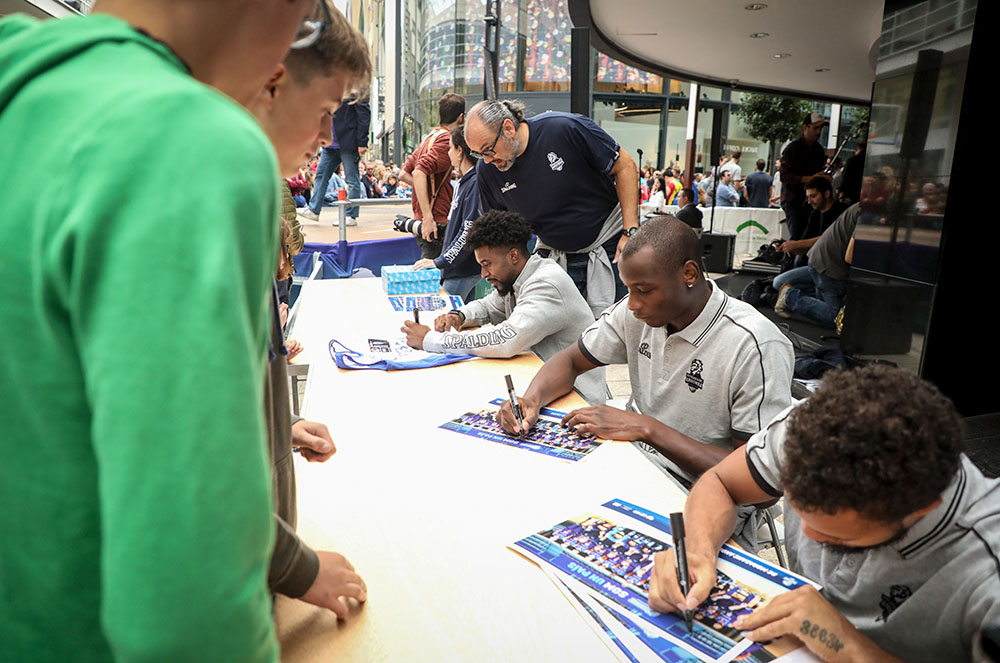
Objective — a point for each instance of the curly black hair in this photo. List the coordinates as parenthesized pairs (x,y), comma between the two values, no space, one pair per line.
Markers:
(876,440)
(499,229)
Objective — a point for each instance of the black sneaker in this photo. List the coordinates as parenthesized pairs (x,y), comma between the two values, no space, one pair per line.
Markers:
(752,293)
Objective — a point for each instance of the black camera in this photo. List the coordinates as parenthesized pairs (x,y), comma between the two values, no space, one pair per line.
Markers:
(405,224)
(770,253)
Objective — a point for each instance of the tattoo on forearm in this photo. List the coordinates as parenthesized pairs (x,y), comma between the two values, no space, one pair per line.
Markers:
(814,631)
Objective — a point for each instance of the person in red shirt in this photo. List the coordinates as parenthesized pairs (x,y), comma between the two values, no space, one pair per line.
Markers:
(428,171)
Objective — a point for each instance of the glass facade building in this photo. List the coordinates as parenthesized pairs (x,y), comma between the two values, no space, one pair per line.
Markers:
(442,51)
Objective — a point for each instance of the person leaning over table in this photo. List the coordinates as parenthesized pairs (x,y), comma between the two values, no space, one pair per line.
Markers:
(882,509)
(578,187)
(535,305)
(294,109)
(707,370)
(145,533)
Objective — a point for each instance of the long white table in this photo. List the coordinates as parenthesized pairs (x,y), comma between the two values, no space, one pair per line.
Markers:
(425,514)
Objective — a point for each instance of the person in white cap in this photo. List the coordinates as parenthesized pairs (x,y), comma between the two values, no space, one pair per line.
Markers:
(803,159)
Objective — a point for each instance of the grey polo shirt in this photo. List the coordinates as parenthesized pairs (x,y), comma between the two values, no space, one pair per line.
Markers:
(724,376)
(827,255)
(922,598)
(544,312)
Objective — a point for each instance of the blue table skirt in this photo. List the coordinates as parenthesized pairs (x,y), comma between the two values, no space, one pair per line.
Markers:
(342,259)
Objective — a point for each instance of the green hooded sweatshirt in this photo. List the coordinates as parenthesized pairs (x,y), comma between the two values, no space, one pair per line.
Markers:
(137,248)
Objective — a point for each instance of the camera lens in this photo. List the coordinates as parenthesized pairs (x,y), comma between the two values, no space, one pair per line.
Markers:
(405,224)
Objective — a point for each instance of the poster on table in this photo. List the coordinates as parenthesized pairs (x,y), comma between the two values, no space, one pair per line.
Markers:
(387,354)
(609,554)
(428,303)
(547,437)
(613,629)
(632,641)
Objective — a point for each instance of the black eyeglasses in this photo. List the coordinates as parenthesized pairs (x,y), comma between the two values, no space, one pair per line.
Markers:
(313,28)
(489,151)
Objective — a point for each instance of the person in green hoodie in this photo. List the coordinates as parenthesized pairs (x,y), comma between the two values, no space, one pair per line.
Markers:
(136,508)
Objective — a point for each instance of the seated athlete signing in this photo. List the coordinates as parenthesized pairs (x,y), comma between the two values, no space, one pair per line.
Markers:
(707,371)
(535,305)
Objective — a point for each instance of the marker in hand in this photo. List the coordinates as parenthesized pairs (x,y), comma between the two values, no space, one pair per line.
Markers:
(416,314)
(515,406)
(681,560)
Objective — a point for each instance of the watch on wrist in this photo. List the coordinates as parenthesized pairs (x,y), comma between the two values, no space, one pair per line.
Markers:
(459,314)
(628,232)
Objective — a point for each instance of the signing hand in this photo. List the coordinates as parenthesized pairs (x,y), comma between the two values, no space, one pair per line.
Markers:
(665,592)
(313,440)
(807,615)
(529,415)
(607,422)
(335,583)
(423,263)
(414,334)
(448,321)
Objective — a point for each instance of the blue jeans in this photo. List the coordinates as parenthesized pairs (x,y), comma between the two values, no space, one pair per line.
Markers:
(812,294)
(463,286)
(328,162)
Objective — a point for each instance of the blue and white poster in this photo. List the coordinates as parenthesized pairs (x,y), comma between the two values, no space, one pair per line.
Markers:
(429,303)
(547,437)
(609,553)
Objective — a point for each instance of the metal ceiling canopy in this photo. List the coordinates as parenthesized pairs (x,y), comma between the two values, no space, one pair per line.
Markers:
(828,48)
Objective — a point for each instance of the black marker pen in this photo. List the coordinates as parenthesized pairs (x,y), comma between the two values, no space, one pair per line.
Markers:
(515,406)
(681,560)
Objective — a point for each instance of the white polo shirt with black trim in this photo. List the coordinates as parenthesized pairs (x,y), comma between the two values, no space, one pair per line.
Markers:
(922,598)
(723,376)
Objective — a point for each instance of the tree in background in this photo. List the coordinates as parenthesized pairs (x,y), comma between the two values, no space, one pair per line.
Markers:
(772,118)
(854,122)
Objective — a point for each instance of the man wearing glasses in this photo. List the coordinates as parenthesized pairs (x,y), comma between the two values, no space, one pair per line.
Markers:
(143,529)
(576,186)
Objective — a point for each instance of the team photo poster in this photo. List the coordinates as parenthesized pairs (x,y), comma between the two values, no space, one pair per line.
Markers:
(547,436)
(608,553)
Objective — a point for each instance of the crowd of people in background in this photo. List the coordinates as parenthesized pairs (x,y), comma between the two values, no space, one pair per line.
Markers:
(379,179)
(761,188)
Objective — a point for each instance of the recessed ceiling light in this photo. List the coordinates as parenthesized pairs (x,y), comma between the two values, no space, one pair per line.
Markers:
(755,6)
(822,69)
(782,55)
(759,35)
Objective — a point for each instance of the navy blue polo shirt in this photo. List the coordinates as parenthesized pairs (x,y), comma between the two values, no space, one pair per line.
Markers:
(561,183)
